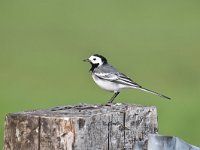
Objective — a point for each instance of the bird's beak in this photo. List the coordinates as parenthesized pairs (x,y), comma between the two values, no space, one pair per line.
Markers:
(86,60)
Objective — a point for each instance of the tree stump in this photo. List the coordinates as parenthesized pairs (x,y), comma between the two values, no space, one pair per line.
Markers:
(81,127)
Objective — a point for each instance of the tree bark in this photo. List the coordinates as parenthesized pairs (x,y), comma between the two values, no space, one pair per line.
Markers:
(81,127)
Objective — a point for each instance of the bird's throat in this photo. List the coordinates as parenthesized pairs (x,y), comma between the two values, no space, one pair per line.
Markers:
(94,66)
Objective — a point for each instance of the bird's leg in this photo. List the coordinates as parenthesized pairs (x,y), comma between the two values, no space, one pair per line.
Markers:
(113,97)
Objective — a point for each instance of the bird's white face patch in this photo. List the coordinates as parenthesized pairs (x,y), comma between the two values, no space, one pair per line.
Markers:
(96,60)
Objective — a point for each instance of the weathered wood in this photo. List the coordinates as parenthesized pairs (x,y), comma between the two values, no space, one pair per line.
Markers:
(80,127)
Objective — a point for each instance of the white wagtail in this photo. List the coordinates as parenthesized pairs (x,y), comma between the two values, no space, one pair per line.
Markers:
(108,78)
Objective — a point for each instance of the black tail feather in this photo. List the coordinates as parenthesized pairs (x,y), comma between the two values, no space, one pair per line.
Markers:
(155,93)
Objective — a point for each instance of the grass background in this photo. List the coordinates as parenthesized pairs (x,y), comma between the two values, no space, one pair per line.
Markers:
(157,43)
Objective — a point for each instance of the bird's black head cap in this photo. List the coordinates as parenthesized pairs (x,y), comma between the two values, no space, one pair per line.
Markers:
(104,60)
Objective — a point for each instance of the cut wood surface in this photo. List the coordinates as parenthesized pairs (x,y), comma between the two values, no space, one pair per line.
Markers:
(81,127)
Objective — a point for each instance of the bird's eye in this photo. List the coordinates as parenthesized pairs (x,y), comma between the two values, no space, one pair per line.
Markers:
(94,58)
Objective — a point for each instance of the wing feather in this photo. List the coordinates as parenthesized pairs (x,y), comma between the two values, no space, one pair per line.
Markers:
(118,78)
(106,76)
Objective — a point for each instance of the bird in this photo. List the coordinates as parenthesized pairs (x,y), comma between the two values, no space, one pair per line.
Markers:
(110,79)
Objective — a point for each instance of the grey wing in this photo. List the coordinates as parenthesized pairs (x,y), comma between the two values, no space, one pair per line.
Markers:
(111,74)
(107,76)
(126,80)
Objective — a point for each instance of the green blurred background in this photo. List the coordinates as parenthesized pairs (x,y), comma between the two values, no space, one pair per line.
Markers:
(157,43)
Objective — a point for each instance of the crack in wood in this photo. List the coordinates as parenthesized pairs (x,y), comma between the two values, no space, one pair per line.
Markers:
(109,135)
(39,132)
(124,124)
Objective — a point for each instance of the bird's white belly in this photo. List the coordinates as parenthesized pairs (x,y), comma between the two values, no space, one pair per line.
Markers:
(107,85)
